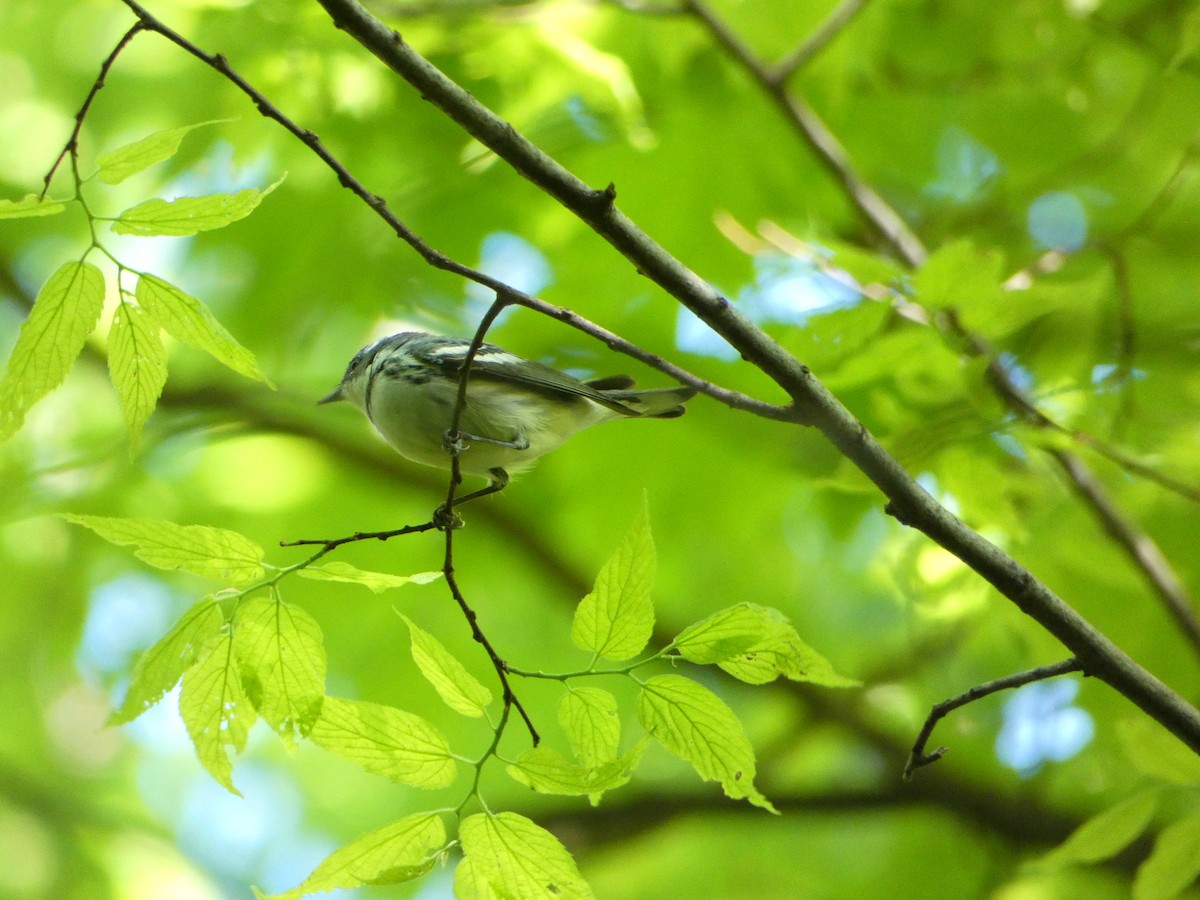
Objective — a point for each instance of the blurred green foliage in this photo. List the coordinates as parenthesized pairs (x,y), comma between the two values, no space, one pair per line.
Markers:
(1043,150)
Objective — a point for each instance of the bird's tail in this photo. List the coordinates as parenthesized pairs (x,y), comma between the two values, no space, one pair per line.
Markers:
(658,403)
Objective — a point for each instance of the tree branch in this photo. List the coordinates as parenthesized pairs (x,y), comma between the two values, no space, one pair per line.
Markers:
(1149,559)
(817,406)
(918,757)
(439,260)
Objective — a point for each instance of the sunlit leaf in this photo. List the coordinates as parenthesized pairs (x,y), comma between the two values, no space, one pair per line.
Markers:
(160,668)
(590,718)
(51,338)
(123,162)
(215,709)
(188,320)
(200,549)
(189,215)
(547,771)
(282,655)
(30,206)
(376,581)
(756,644)
(615,620)
(386,741)
(457,687)
(694,724)
(518,859)
(137,365)
(398,852)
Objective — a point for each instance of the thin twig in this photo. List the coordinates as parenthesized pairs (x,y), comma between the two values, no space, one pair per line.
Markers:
(331,543)
(918,757)
(72,145)
(817,135)
(799,57)
(1141,548)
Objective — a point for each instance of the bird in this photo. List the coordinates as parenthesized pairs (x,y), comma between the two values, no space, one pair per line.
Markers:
(517,410)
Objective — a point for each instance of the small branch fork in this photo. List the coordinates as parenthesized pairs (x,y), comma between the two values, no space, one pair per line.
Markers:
(918,758)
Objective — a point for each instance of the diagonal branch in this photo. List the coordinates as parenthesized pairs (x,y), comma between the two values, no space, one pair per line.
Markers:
(799,57)
(814,403)
(1149,559)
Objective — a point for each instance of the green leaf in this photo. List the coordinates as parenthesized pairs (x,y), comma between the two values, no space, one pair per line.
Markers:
(282,656)
(457,687)
(470,883)
(589,716)
(137,365)
(160,667)
(694,724)
(615,620)
(1106,834)
(1158,753)
(189,215)
(756,644)
(728,633)
(386,741)
(199,549)
(398,852)
(188,320)
(118,165)
(30,206)
(51,338)
(517,859)
(1173,864)
(376,581)
(215,708)
(960,275)
(549,772)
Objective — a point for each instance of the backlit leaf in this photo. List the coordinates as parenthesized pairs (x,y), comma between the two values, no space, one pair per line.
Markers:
(188,320)
(590,718)
(616,619)
(376,581)
(30,206)
(398,852)
(200,549)
(518,859)
(694,724)
(137,365)
(386,741)
(457,687)
(189,215)
(160,668)
(123,162)
(215,709)
(50,340)
(282,656)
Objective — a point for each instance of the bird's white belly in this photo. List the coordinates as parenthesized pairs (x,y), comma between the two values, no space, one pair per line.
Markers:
(414,420)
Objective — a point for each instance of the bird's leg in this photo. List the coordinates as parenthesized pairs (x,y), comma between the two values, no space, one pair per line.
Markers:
(520,442)
(446,518)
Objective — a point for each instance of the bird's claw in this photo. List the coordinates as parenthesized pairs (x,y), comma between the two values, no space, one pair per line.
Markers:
(453,443)
(446,519)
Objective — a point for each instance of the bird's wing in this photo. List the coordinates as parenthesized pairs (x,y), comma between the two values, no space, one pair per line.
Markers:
(497,364)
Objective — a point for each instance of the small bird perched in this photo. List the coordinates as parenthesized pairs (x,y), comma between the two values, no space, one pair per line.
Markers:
(516,411)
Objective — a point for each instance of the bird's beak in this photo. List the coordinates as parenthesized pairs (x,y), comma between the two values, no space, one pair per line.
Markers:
(334,397)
